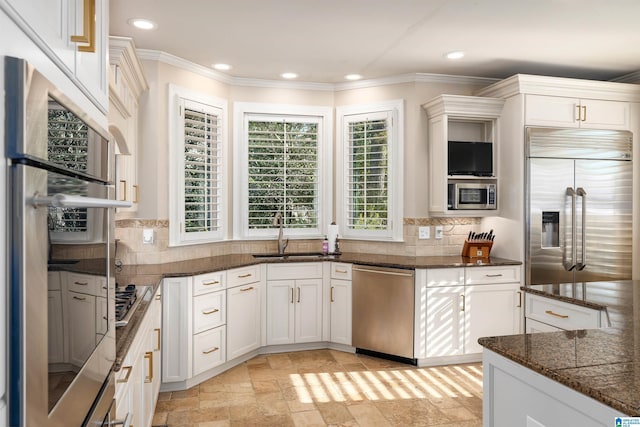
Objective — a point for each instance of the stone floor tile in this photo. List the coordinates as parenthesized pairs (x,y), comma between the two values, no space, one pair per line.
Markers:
(334,413)
(266,386)
(368,415)
(308,419)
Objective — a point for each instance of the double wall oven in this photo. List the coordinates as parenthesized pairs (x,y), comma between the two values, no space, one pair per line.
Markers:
(61,287)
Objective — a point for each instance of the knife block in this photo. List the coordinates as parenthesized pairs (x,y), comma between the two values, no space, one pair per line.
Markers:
(477,249)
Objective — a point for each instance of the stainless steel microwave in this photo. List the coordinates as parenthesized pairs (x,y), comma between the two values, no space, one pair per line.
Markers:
(472,195)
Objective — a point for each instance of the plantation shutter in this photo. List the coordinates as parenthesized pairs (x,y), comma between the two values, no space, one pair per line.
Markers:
(367,172)
(67,146)
(283,172)
(202,203)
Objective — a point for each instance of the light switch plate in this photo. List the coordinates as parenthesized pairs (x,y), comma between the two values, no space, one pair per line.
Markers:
(424,232)
(147,236)
(439,232)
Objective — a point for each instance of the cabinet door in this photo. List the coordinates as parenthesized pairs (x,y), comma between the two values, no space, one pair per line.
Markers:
(554,111)
(243,320)
(81,324)
(597,114)
(156,337)
(209,311)
(101,318)
(491,310)
(55,326)
(177,328)
(280,312)
(208,350)
(445,321)
(340,299)
(308,310)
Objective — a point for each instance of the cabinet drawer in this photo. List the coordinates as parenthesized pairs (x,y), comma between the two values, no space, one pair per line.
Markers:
(208,311)
(492,275)
(243,276)
(561,314)
(208,350)
(445,277)
(299,270)
(210,282)
(82,283)
(340,270)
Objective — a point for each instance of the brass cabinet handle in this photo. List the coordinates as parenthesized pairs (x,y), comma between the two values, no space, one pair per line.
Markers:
(578,114)
(158,297)
(551,313)
(244,276)
(494,275)
(584,113)
(291,295)
(215,310)
(298,294)
(210,351)
(246,289)
(331,295)
(463,303)
(79,298)
(126,377)
(124,189)
(89,28)
(149,356)
(339,270)
(215,282)
(81,283)
(135,197)
(519,299)
(158,341)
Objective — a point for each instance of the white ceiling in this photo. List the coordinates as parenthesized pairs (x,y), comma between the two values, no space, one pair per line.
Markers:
(323,40)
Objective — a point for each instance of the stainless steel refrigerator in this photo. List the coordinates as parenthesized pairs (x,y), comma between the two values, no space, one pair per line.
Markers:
(579,203)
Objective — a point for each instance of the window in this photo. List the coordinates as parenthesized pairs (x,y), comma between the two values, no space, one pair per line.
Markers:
(369,179)
(197,149)
(281,164)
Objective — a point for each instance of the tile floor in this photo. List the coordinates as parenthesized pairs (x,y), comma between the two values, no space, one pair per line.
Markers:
(328,388)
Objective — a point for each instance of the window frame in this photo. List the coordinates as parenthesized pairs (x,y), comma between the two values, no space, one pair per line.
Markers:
(176,99)
(243,111)
(395,199)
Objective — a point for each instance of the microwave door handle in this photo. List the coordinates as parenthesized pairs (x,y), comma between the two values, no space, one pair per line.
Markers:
(61,200)
(569,266)
(583,259)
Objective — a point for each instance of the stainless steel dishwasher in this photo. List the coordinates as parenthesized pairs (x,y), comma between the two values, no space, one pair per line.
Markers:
(383,311)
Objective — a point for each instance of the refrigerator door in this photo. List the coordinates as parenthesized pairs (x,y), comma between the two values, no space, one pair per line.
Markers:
(604,219)
(550,239)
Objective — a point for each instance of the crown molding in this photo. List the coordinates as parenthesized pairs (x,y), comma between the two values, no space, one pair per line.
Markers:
(167,58)
(122,53)
(628,78)
(464,106)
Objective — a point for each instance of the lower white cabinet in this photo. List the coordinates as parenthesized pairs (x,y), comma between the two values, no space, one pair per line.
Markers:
(244,316)
(547,314)
(177,328)
(81,326)
(209,349)
(138,380)
(445,321)
(340,300)
(55,326)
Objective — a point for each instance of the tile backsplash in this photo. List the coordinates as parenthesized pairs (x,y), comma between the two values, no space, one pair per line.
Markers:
(131,249)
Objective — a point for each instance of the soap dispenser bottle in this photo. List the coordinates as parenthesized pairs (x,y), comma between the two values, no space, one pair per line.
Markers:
(325,246)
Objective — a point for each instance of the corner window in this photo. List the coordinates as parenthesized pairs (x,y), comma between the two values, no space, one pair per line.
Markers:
(281,167)
(197,149)
(369,178)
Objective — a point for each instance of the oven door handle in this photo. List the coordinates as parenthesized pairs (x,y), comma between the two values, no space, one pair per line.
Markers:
(61,200)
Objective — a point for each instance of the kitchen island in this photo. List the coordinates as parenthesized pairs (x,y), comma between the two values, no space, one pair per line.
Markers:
(583,377)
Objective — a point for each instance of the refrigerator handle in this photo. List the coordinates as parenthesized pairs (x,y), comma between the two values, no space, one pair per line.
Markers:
(583,259)
(569,266)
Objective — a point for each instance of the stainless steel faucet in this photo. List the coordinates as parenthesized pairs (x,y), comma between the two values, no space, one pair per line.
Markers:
(278,221)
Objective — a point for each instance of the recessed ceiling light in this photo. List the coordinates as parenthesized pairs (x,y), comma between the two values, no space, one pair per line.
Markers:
(455,55)
(143,24)
(222,67)
(353,77)
(288,75)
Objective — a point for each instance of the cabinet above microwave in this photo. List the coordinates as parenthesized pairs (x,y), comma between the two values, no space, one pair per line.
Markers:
(463,145)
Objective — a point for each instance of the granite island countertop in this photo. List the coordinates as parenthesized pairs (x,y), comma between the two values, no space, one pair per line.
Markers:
(152,275)
(601,363)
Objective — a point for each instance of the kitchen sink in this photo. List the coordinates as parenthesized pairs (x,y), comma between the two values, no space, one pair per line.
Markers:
(293,255)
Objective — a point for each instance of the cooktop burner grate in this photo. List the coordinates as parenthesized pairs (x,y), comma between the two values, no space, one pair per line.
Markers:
(125,299)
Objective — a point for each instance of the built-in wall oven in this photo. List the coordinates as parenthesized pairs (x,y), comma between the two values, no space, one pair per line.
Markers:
(61,289)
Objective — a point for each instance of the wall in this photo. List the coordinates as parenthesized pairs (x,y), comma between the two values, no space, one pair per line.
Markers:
(153,163)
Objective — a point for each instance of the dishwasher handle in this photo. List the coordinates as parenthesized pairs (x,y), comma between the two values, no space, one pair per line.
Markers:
(387,272)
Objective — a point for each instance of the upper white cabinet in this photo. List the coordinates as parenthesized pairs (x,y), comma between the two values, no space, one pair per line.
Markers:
(462,119)
(541,110)
(127,83)
(73,34)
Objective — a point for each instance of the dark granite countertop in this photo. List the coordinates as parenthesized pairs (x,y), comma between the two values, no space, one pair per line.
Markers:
(152,275)
(601,363)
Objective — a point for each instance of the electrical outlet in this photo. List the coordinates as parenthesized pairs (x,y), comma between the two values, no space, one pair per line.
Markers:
(147,236)
(439,232)
(424,232)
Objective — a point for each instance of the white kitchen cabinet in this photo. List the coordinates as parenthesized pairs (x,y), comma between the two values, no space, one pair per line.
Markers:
(340,300)
(459,118)
(513,395)
(209,311)
(294,306)
(177,328)
(244,314)
(80,311)
(542,110)
(51,25)
(445,321)
(558,314)
(209,349)
(55,326)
